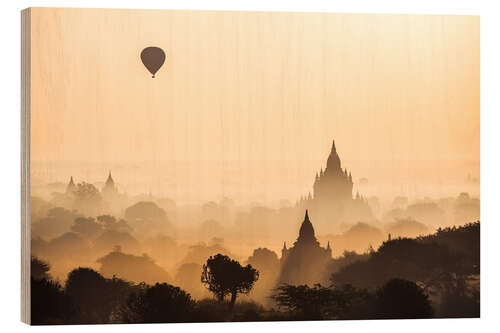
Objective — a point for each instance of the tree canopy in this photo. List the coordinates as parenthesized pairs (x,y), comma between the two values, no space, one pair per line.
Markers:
(400,298)
(158,304)
(224,276)
(319,302)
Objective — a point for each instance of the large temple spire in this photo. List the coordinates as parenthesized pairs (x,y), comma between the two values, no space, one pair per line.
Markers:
(333,162)
(306,232)
(304,262)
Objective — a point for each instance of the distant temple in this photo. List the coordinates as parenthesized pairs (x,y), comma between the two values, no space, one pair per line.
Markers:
(332,199)
(110,201)
(333,183)
(109,188)
(71,187)
(305,261)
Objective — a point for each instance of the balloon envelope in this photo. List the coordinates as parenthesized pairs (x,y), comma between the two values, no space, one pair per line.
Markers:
(153,58)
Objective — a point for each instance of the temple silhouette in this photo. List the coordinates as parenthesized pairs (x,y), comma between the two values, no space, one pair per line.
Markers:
(305,261)
(332,199)
(71,187)
(113,200)
(109,189)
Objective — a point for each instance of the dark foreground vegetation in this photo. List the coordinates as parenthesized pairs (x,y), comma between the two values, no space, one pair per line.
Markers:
(435,276)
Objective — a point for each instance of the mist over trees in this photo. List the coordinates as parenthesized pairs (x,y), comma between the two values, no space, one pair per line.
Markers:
(105,257)
(132,268)
(425,277)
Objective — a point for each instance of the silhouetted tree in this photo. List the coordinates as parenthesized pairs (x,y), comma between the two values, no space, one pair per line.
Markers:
(145,210)
(358,237)
(111,238)
(87,227)
(264,260)
(210,228)
(402,257)
(57,222)
(39,208)
(109,223)
(88,292)
(460,300)
(426,212)
(118,291)
(464,240)
(268,265)
(348,258)
(132,268)
(402,299)
(146,217)
(458,293)
(318,302)
(304,302)
(69,247)
(406,227)
(49,303)
(88,199)
(211,310)
(224,276)
(95,298)
(87,191)
(39,269)
(445,264)
(466,208)
(160,303)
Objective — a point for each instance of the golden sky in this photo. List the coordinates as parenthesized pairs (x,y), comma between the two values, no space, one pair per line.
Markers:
(247,103)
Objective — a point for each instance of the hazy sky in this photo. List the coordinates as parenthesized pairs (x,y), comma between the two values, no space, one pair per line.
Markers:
(247,103)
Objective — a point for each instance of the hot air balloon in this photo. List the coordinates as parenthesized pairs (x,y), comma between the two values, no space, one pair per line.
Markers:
(153,58)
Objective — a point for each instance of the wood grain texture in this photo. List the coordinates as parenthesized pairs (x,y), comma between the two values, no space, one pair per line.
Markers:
(247,103)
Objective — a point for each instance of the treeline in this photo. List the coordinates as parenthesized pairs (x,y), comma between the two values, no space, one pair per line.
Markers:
(435,276)
(89,298)
(396,299)
(445,265)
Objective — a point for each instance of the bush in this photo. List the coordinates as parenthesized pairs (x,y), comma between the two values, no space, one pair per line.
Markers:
(49,304)
(161,303)
(402,299)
